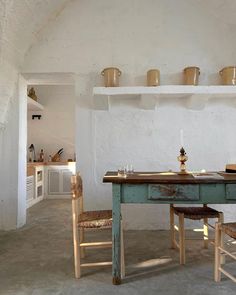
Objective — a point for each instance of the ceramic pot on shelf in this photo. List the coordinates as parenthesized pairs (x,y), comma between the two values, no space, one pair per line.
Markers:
(228,75)
(191,75)
(153,77)
(111,77)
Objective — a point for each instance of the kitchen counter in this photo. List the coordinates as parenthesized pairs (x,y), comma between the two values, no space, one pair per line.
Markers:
(48,180)
(30,164)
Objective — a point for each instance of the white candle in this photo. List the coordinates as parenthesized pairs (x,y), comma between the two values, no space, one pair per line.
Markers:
(181,137)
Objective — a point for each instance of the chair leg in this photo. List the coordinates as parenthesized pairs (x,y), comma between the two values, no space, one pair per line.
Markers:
(181,239)
(82,249)
(205,230)
(77,260)
(172,227)
(205,233)
(76,244)
(221,220)
(217,253)
(122,254)
(76,239)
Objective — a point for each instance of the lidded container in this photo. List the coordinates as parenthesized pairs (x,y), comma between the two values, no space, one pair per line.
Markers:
(228,75)
(191,75)
(153,77)
(111,77)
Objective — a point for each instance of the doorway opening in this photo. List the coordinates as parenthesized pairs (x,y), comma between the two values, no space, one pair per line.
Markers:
(50,136)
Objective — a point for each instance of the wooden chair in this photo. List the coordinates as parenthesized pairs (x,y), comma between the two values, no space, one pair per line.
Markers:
(194,213)
(230,230)
(89,220)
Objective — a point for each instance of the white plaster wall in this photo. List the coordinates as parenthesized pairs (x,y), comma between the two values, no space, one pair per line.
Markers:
(56,129)
(21,152)
(13,151)
(136,36)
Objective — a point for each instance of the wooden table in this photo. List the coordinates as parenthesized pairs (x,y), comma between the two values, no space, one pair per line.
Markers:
(164,188)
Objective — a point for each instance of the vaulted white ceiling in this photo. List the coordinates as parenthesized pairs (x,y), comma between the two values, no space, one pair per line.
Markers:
(21,22)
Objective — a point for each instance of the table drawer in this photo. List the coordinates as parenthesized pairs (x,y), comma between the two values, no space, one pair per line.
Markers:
(230,191)
(173,192)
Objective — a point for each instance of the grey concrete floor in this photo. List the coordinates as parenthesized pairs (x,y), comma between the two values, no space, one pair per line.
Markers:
(38,259)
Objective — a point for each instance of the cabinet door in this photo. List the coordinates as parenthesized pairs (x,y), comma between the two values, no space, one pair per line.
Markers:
(65,183)
(30,188)
(39,182)
(53,182)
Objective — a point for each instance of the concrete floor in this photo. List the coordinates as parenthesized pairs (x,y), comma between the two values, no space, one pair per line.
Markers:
(37,259)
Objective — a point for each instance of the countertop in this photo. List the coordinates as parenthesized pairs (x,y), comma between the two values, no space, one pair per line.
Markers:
(30,164)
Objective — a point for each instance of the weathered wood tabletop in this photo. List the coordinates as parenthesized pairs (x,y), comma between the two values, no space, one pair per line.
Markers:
(170,177)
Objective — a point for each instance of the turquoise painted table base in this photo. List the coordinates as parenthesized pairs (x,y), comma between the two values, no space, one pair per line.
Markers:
(142,188)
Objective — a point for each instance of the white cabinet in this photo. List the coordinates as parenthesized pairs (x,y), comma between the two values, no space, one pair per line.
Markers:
(57,184)
(35,186)
(48,181)
(30,191)
(39,182)
(66,181)
(53,181)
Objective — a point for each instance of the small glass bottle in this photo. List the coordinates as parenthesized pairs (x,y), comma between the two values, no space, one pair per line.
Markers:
(41,156)
(49,158)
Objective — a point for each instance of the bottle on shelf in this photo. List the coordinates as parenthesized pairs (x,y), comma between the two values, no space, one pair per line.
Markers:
(49,158)
(41,156)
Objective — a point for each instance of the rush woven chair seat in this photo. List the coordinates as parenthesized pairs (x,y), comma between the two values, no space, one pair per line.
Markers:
(83,220)
(95,219)
(229,229)
(195,213)
(221,229)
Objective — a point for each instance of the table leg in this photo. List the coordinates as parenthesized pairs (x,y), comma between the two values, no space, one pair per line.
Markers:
(116,223)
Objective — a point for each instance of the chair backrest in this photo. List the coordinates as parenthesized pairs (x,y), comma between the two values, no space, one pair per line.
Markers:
(77,195)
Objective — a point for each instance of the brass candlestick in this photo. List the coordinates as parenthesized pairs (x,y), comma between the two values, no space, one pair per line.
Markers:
(182,158)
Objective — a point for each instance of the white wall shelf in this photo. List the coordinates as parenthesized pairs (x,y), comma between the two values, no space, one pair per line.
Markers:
(148,96)
(33,105)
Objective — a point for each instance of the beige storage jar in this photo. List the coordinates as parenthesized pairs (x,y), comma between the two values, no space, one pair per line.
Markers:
(153,77)
(111,77)
(191,75)
(228,75)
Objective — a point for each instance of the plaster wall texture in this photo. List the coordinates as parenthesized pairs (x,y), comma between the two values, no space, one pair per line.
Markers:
(136,36)
(56,129)
(12,152)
